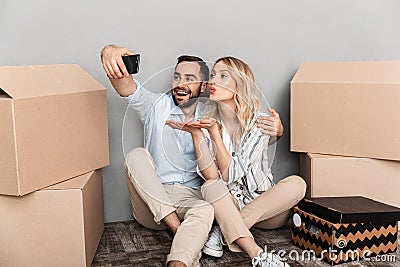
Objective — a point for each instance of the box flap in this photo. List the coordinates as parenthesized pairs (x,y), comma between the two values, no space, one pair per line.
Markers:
(317,156)
(9,175)
(326,156)
(78,182)
(371,72)
(350,209)
(45,80)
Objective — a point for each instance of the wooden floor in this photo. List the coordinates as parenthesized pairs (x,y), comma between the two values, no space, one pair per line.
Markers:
(126,244)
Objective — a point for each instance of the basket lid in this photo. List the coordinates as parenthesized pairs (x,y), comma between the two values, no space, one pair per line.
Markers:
(350,209)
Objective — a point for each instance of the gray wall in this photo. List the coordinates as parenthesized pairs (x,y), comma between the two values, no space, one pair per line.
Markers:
(273,37)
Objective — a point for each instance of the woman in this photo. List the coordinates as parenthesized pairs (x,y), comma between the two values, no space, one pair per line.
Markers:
(232,156)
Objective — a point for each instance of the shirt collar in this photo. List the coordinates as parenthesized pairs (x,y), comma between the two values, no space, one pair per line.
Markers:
(175,110)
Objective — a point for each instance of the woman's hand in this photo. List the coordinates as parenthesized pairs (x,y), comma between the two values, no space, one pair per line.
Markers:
(183,126)
(209,124)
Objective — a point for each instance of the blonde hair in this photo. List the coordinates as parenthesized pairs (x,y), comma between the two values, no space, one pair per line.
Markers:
(247,104)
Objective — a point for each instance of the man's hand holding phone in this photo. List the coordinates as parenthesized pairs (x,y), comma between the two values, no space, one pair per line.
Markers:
(114,66)
(113,57)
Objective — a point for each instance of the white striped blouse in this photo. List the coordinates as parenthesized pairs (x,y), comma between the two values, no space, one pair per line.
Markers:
(249,173)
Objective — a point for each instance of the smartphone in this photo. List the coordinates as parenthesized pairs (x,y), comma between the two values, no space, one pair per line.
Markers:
(132,63)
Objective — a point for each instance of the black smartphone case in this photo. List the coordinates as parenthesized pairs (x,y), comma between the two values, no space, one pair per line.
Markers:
(132,63)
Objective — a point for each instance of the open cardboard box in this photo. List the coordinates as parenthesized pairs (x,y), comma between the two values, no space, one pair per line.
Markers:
(59,226)
(347,109)
(53,126)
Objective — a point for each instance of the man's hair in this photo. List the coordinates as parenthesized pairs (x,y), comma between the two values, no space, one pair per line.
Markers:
(204,71)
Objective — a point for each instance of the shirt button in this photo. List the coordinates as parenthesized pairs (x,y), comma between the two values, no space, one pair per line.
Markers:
(238,195)
(241,188)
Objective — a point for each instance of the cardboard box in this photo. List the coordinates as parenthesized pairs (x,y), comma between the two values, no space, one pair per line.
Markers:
(53,126)
(347,109)
(332,176)
(342,229)
(58,226)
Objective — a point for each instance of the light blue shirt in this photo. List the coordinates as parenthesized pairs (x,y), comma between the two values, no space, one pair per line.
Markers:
(172,150)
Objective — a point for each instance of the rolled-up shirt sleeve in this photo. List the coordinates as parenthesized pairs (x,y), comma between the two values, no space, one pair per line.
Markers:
(142,101)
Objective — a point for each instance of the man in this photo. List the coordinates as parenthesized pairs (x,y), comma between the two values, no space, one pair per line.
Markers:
(162,179)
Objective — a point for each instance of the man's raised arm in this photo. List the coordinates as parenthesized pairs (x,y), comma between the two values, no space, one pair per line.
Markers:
(121,80)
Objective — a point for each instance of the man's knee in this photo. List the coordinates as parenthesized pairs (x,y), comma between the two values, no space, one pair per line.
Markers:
(135,154)
(209,210)
(138,155)
(204,212)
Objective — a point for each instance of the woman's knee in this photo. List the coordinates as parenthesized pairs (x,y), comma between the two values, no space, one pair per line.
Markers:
(213,190)
(275,222)
(296,186)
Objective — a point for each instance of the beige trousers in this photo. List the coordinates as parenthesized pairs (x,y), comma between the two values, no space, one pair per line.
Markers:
(152,201)
(270,210)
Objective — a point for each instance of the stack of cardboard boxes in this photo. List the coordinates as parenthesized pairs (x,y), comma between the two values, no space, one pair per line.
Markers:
(345,118)
(53,142)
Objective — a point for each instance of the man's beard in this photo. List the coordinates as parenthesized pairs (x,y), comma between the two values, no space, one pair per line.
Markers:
(187,103)
(193,96)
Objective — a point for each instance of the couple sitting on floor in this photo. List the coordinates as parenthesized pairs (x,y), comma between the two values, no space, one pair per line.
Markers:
(204,159)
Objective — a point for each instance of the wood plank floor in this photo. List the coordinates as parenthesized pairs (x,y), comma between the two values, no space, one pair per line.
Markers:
(126,244)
